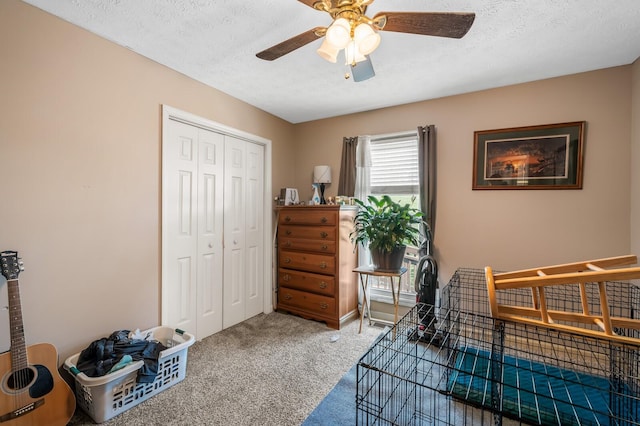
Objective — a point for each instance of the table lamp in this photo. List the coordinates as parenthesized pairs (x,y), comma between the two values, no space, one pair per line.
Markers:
(322,175)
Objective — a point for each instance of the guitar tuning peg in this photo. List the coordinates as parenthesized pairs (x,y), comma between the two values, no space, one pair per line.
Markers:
(20,264)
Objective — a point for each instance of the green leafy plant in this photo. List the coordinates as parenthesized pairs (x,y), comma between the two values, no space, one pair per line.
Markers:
(385,225)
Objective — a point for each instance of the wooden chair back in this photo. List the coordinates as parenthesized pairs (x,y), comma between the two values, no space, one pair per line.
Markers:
(579,273)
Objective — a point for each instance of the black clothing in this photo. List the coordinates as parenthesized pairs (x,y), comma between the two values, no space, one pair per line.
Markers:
(101,355)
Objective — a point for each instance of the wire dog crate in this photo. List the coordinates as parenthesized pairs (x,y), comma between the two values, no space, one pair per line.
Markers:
(456,365)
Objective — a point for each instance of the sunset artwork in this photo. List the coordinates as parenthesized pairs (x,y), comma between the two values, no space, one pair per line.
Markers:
(547,156)
(526,159)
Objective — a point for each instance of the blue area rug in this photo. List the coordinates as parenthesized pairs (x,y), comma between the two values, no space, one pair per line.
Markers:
(339,406)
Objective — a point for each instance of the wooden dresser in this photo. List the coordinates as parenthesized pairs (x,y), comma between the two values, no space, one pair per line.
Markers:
(315,263)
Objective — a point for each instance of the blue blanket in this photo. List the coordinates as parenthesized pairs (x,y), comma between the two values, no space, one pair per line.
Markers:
(536,392)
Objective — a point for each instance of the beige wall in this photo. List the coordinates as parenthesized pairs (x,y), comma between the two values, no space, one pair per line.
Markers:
(510,229)
(80,124)
(80,144)
(635,159)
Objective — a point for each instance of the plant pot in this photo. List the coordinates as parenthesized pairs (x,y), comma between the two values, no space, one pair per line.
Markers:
(388,261)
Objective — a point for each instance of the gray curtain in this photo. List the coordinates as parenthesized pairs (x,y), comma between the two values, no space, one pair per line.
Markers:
(427,174)
(347,181)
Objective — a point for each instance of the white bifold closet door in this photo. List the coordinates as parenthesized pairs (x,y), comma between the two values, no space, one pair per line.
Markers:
(212,244)
(243,248)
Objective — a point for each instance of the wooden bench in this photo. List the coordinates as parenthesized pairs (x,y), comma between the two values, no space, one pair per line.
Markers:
(579,273)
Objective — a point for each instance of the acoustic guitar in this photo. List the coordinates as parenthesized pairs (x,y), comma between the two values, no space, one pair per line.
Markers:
(32,392)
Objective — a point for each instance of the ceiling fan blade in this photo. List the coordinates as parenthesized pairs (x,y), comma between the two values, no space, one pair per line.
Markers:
(281,49)
(440,24)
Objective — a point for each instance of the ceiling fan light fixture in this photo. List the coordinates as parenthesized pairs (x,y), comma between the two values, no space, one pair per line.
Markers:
(366,38)
(352,54)
(358,35)
(328,52)
(339,33)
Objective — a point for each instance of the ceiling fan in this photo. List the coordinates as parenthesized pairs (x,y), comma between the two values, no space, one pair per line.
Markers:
(357,34)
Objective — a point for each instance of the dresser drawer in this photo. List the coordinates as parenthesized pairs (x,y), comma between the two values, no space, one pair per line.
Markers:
(319,246)
(306,281)
(307,262)
(307,217)
(309,302)
(308,232)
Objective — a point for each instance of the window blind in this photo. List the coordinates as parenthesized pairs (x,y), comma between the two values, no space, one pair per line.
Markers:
(394,167)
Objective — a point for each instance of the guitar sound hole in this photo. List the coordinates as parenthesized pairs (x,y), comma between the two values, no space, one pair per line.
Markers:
(20,379)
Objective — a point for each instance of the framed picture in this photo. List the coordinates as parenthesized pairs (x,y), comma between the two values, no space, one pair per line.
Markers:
(534,157)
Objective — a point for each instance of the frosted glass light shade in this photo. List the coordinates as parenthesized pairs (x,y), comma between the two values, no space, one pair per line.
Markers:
(328,52)
(352,54)
(366,38)
(339,33)
(322,174)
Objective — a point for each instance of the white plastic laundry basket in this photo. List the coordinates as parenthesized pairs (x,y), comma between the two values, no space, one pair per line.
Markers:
(107,396)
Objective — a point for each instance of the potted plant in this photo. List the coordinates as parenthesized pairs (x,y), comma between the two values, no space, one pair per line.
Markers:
(386,227)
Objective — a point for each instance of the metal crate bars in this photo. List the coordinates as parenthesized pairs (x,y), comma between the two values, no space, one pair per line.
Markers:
(402,380)
(465,367)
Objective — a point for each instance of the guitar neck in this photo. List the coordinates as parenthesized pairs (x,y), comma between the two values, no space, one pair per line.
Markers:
(18,345)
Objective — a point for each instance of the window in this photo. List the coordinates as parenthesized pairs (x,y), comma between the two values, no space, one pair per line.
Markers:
(394,172)
(394,165)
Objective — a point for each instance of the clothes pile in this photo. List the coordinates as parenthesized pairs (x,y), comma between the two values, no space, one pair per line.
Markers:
(121,348)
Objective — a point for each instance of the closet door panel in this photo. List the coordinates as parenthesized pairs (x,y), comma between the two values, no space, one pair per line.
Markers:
(254,230)
(180,233)
(234,232)
(210,230)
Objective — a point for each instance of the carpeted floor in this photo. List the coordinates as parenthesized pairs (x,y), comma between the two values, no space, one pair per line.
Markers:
(269,370)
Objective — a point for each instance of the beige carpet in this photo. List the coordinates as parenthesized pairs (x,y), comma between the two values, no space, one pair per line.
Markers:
(269,370)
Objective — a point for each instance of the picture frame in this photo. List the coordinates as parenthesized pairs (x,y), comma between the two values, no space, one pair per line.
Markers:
(547,156)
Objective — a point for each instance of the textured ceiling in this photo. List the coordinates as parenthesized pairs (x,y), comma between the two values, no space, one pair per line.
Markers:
(215,42)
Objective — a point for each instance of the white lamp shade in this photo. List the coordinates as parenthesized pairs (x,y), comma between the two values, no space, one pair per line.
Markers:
(352,54)
(366,38)
(328,52)
(339,33)
(322,174)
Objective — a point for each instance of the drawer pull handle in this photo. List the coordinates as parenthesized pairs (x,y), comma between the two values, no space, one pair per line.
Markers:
(323,265)
(288,232)
(323,285)
(286,277)
(324,247)
(287,260)
(288,243)
(324,234)
(288,297)
(323,220)
(323,306)
(287,219)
